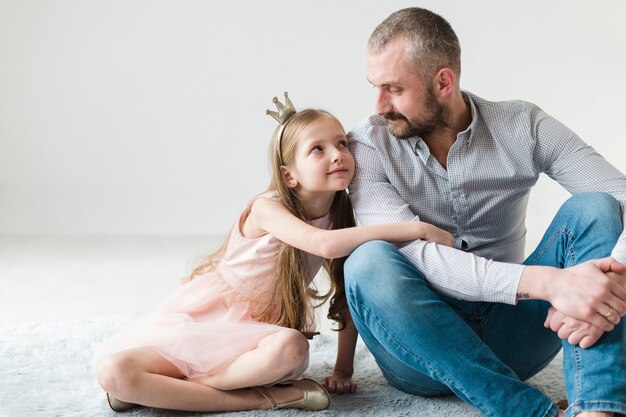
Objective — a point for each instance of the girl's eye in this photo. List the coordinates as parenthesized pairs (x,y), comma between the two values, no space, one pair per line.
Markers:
(317,148)
(343,143)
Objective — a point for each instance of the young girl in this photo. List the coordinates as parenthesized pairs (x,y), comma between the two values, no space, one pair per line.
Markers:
(233,337)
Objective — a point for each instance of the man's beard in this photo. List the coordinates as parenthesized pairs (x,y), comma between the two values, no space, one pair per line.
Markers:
(436,119)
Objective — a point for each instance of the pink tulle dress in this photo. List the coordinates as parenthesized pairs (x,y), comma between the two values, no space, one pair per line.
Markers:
(207,323)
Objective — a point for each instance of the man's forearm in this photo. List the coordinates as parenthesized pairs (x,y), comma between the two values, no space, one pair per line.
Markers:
(464,275)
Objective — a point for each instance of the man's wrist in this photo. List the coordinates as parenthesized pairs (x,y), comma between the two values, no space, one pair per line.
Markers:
(536,283)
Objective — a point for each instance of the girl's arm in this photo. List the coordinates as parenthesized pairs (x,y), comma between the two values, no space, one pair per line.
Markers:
(272,217)
(341,379)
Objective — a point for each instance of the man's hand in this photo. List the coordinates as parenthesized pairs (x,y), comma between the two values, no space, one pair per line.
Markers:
(592,292)
(576,332)
(580,332)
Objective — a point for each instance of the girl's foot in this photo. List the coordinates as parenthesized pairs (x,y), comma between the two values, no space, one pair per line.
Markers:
(304,394)
(117,405)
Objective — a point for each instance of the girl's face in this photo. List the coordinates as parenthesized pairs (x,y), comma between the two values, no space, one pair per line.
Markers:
(322,162)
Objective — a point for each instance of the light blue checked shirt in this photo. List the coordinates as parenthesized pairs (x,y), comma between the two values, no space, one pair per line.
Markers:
(481,198)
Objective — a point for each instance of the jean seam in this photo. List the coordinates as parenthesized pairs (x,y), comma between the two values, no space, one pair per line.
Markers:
(554,407)
(546,246)
(570,247)
(577,374)
(570,242)
(477,319)
(576,408)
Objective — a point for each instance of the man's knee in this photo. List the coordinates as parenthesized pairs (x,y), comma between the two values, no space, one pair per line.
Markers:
(596,207)
(365,260)
(359,272)
(379,276)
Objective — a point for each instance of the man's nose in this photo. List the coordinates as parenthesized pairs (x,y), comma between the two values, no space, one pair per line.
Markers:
(381,102)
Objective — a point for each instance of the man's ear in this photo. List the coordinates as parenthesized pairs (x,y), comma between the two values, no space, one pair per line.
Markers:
(289,179)
(445,81)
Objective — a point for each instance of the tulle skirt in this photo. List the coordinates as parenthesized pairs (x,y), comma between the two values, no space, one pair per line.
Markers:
(201,328)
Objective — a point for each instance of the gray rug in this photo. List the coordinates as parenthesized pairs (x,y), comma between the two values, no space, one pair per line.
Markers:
(45,371)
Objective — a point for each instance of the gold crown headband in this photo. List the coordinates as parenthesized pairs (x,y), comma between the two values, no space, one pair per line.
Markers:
(283,115)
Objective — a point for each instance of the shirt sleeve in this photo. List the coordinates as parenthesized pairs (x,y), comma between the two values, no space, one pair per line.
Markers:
(450,271)
(567,159)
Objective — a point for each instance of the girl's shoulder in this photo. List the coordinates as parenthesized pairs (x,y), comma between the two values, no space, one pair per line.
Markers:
(248,226)
(269,195)
(268,198)
(269,204)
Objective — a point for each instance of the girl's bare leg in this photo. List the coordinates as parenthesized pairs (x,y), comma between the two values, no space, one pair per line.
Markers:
(275,357)
(143,376)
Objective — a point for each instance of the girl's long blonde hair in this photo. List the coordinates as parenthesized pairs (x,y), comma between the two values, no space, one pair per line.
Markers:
(292,306)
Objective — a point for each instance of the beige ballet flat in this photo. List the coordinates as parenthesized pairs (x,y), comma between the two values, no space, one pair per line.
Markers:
(118,405)
(315,397)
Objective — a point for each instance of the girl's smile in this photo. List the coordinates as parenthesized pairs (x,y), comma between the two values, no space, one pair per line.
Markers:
(339,171)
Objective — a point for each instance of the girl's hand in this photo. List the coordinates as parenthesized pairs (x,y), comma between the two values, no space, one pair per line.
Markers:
(437,235)
(339,382)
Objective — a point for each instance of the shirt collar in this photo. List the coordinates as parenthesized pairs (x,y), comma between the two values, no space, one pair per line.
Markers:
(468,134)
(419,148)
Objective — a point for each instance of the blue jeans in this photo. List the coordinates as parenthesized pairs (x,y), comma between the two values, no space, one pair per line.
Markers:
(429,344)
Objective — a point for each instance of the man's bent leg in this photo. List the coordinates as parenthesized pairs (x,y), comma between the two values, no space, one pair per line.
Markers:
(430,346)
(587,227)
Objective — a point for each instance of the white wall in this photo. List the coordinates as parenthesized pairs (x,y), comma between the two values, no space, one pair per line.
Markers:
(148,117)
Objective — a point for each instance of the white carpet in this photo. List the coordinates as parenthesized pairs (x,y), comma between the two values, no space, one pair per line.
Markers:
(45,371)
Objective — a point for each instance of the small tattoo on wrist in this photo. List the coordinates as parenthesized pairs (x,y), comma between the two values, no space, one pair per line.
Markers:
(522,295)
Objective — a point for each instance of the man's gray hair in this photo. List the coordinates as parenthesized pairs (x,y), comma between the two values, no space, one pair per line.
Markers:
(430,42)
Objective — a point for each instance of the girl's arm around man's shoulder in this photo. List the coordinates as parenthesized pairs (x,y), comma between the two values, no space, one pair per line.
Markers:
(275,219)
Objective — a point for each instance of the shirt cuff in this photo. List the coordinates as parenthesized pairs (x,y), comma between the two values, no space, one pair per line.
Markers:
(619,251)
(501,282)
